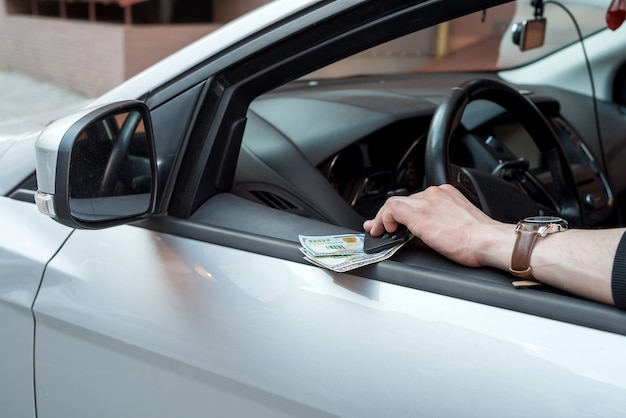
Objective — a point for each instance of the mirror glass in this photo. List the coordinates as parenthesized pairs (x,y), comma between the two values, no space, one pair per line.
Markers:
(534,33)
(110,175)
(529,34)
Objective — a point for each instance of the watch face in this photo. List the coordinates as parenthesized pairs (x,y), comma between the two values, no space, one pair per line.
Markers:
(543,225)
(543,220)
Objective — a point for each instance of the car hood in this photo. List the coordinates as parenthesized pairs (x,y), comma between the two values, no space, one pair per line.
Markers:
(17,145)
(17,160)
(16,128)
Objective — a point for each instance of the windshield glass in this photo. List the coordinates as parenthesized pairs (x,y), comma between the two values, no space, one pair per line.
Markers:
(481,41)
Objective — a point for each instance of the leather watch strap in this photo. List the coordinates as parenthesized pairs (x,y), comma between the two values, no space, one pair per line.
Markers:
(520,260)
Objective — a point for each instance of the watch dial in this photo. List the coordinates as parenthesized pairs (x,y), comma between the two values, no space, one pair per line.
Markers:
(545,220)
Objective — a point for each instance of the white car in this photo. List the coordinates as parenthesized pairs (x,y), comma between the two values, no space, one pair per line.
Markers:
(172,283)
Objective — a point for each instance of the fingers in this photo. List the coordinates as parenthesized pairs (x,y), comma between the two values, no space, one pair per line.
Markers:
(421,209)
(442,218)
(396,210)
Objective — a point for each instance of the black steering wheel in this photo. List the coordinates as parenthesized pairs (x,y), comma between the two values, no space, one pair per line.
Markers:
(119,154)
(511,192)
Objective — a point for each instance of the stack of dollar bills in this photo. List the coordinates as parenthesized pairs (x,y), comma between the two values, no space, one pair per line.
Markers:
(340,252)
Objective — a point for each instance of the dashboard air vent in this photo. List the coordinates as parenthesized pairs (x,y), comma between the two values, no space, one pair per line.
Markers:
(273,200)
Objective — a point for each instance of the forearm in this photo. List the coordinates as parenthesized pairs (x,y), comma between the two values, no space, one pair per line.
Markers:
(577,261)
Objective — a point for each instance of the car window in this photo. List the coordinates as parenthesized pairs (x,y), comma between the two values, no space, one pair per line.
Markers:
(481,41)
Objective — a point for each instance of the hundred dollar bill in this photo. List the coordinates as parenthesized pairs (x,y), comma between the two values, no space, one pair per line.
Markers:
(346,262)
(327,245)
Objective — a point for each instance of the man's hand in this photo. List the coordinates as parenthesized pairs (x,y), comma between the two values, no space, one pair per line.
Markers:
(579,261)
(445,221)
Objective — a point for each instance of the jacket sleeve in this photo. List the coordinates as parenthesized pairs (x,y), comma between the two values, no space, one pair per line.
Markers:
(618,275)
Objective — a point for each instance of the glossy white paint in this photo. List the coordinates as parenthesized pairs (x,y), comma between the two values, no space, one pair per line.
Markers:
(27,241)
(129,317)
(48,147)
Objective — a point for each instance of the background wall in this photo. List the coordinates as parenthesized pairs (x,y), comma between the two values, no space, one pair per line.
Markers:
(91,57)
(78,55)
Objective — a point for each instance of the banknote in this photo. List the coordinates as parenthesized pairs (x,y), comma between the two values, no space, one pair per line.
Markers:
(345,257)
(327,245)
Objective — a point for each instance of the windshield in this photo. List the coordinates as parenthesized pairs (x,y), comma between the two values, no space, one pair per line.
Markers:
(481,41)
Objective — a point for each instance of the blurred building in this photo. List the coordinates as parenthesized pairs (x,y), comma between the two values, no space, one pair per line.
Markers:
(93,45)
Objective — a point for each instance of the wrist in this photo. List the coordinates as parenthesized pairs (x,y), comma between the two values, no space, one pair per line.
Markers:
(494,245)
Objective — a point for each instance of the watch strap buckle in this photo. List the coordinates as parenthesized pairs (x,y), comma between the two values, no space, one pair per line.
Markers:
(519,284)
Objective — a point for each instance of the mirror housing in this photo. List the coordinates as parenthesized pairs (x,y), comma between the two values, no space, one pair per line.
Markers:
(529,34)
(97,168)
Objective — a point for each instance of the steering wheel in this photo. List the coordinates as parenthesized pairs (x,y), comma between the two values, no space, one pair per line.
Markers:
(113,170)
(503,199)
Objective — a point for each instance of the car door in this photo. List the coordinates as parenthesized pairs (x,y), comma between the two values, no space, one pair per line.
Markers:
(133,322)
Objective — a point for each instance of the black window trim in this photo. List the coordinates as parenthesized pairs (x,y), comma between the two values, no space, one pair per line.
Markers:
(210,168)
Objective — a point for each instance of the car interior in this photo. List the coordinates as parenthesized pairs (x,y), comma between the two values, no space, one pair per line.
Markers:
(320,155)
(372,146)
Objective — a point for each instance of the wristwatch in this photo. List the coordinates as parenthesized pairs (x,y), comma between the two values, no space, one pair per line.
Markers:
(527,232)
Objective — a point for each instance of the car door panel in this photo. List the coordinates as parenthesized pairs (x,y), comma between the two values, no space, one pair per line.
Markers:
(169,326)
(27,242)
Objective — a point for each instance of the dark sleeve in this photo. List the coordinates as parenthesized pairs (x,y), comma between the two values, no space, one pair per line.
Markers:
(618,276)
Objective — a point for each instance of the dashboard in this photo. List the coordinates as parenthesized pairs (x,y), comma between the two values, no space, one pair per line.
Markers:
(385,163)
(336,152)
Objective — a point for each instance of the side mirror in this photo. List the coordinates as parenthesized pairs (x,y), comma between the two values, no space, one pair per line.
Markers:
(97,168)
(529,34)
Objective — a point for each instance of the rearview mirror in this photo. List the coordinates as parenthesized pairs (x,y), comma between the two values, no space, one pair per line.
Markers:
(529,34)
(97,168)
